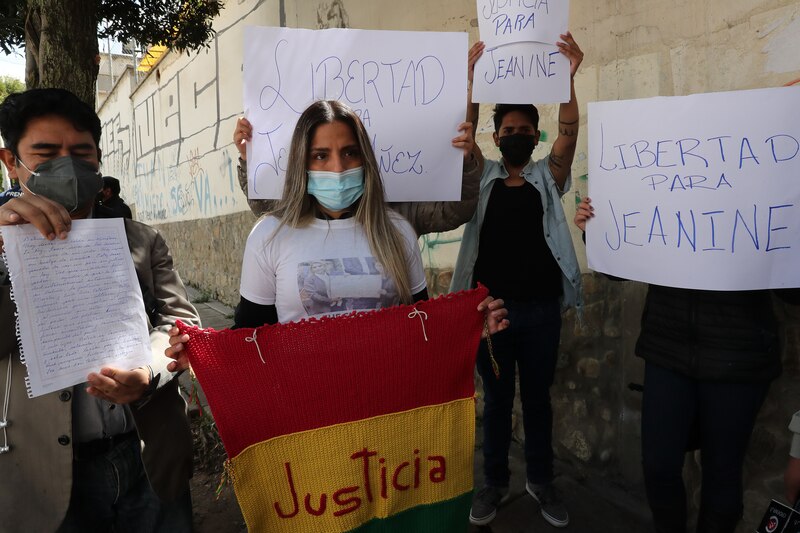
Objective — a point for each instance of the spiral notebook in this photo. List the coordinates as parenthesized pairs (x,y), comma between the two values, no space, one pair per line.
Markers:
(79,303)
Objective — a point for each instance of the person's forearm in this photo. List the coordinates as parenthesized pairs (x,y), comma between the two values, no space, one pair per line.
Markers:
(473,110)
(568,116)
(794,427)
(258,207)
(241,175)
(434,217)
(159,374)
(252,315)
(563,151)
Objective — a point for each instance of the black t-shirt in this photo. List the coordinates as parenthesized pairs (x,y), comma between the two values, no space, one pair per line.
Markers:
(514,260)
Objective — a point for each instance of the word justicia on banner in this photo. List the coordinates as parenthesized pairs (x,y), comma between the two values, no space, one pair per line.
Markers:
(360,420)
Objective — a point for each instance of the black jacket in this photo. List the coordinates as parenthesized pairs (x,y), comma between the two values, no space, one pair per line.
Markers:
(712,335)
(112,208)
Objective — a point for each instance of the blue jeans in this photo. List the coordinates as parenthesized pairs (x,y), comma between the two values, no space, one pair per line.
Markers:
(678,411)
(530,344)
(111,492)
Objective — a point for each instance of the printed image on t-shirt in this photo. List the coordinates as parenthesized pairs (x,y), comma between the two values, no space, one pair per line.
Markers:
(329,286)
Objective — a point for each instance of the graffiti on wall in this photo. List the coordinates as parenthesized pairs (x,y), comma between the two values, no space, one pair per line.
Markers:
(332,16)
(169,142)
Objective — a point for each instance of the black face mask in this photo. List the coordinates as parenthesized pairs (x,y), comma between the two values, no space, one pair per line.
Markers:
(517,148)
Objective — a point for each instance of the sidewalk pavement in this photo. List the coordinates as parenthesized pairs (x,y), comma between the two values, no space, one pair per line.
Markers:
(594,505)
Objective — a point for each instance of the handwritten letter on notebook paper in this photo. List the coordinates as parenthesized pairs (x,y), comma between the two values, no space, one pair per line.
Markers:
(79,302)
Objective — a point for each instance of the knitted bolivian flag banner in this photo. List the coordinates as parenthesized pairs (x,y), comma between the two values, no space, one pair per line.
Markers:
(363,422)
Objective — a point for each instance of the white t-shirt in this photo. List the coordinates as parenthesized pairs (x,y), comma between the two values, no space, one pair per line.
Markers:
(325,268)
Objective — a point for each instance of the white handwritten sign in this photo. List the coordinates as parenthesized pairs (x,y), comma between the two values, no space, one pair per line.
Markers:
(78,300)
(697,191)
(511,21)
(408,88)
(522,73)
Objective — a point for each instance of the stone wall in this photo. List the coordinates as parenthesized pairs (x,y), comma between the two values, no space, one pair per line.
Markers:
(595,411)
(208,252)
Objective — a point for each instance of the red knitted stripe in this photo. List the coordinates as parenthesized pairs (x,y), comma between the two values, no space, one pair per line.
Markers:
(319,373)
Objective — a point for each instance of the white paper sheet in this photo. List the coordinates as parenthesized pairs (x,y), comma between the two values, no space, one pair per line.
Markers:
(697,191)
(79,302)
(409,88)
(511,21)
(521,73)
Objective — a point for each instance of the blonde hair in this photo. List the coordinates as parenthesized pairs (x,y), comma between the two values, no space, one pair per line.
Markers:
(296,207)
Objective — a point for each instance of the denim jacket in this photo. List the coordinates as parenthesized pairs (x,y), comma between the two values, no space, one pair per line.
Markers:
(556,229)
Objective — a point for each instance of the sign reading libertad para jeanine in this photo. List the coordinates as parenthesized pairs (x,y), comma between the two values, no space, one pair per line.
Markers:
(699,191)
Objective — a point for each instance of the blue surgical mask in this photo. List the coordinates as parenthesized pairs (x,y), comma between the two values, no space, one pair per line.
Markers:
(336,190)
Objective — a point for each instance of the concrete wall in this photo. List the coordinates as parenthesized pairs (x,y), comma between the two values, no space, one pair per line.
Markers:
(168,140)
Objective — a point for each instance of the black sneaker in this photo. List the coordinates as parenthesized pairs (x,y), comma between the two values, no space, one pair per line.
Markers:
(553,509)
(485,503)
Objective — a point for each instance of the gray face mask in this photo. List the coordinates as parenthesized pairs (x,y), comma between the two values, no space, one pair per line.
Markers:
(67,180)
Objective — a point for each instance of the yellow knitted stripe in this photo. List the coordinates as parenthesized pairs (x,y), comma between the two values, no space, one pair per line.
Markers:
(339,477)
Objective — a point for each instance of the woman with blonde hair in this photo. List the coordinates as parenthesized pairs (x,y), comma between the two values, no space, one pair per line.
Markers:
(333,211)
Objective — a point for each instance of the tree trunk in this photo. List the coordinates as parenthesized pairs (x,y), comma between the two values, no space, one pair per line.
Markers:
(33,26)
(61,46)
